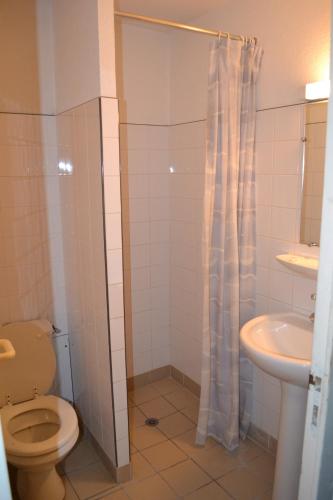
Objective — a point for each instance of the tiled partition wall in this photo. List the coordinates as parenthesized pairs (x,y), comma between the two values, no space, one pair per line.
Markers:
(80,177)
(114,262)
(146,225)
(278,168)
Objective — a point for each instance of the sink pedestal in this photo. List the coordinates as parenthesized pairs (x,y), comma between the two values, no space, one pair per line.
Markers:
(290,442)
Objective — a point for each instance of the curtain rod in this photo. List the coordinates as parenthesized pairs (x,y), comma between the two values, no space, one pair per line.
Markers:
(172,24)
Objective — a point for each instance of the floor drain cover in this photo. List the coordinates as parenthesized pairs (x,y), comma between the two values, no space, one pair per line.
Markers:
(152,421)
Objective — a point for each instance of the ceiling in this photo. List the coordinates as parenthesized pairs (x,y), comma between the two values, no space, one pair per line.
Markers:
(175,10)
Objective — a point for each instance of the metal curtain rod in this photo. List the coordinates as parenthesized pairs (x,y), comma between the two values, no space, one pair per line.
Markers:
(172,24)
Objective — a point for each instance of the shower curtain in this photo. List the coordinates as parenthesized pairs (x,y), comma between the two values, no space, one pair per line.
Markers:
(228,240)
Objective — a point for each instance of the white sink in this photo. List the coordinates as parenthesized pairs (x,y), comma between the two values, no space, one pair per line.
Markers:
(281,345)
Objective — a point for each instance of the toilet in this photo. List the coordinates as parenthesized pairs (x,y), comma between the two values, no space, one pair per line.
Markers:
(39,430)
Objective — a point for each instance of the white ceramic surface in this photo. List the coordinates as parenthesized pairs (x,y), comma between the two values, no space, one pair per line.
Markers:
(307,266)
(281,345)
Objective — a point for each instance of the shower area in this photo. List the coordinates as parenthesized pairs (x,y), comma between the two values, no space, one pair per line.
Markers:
(162,158)
(163,134)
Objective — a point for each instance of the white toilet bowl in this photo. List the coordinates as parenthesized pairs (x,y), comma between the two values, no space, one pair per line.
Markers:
(39,432)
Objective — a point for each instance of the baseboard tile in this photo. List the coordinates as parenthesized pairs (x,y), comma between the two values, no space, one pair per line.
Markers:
(160,373)
(263,439)
(119,474)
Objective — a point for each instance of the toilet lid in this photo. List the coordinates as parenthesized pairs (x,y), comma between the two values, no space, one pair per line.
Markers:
(33,368)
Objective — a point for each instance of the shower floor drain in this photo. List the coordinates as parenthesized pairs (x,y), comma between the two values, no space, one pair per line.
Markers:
(152,422)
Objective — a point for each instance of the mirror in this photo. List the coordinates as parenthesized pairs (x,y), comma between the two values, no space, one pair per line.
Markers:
(313,171)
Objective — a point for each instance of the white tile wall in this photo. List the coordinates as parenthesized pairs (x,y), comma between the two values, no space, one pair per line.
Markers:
(146,217)
(32,281)
(26,255)
(187,156)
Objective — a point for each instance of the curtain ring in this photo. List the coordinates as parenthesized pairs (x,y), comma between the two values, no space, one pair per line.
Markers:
(220,35)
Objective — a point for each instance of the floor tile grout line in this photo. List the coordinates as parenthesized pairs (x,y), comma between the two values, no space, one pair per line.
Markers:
(99,496)
(100,493)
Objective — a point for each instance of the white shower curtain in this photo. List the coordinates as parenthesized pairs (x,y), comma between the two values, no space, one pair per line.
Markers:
(228,240)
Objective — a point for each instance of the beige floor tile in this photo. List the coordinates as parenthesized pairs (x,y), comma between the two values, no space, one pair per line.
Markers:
(192,411)
(215,461)
(210,492)
(113,493)
(158,408)
(175,424)
(69,491)
(243,484)
(136,417)
(263,467)
(166,385)
(141,469)
(181,398)
(82,455)
(185,477)
(164,455)
(143,437)
(186,442)
(91,480)
(153,488)
(117,495)
(143,394)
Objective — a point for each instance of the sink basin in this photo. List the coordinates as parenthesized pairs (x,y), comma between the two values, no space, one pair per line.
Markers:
(281,345)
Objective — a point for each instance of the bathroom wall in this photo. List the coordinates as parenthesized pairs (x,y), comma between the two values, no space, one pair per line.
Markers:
(142,76)
(31,261)
(19,86)
(26,289)
(84,57)
(187,157)
(143,88)
(146,211)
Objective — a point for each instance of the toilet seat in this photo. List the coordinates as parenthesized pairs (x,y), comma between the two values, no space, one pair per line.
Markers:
(68,425)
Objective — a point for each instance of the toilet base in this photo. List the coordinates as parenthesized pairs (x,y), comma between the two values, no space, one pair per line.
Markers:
(40,484)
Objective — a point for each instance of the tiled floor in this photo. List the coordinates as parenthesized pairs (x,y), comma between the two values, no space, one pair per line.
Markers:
(166,463)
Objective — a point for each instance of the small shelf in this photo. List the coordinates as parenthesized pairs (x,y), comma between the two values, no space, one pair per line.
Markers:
(307,266)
